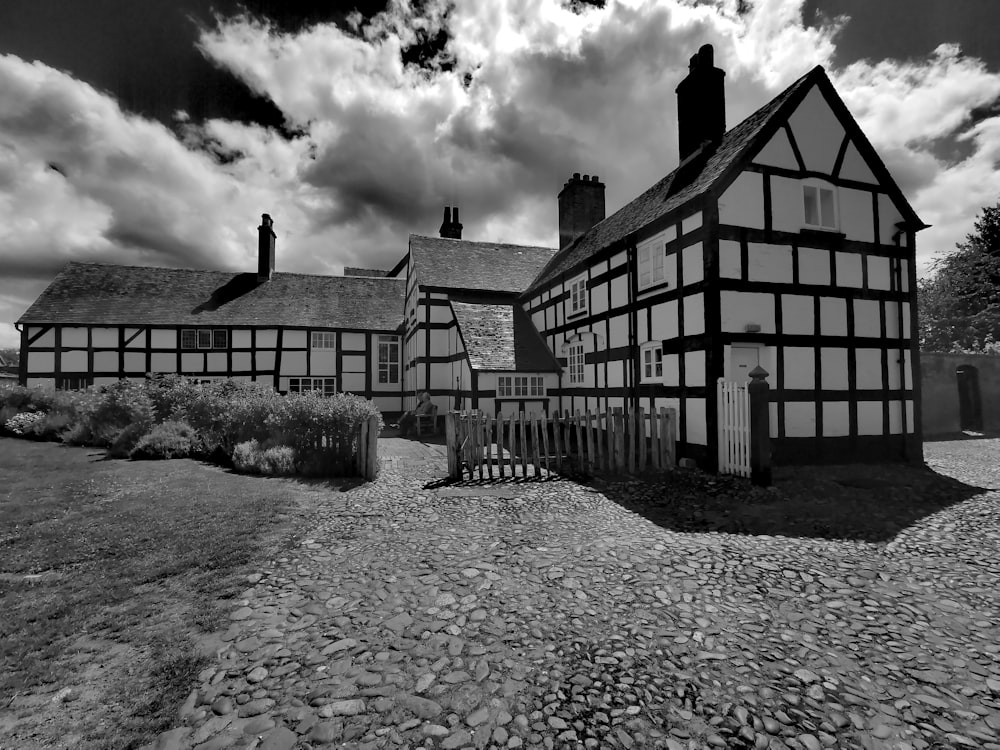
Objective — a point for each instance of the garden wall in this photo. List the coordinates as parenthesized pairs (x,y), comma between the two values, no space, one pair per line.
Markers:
(942,412)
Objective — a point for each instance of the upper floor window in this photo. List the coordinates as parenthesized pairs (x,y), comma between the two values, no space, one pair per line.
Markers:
(388,359)
(520,386)
(651,264)
(819,206)
(324,340)
(204,338)
(578,295)
(575,363)
(651,362)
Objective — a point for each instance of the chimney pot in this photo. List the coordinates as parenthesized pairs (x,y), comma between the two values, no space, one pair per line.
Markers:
(581,206)
(265,248)
(701,103)
(451,228)
(593,178)
(576,175)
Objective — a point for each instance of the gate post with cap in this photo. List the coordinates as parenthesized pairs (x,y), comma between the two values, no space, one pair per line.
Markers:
(760,427)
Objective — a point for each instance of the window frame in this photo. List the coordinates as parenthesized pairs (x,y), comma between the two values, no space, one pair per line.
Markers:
(216,333)
(392,342)
(520,386)
(577,293)
(654,373)
(202,332)
(193,345)
(327,385)
(323,337)
(819,187)
(576,363)
(650,249)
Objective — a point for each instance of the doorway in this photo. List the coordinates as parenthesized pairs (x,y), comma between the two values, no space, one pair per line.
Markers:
(742,359)
(970,407)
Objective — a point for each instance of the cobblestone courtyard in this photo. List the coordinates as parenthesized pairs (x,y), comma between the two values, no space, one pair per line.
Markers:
(546,615)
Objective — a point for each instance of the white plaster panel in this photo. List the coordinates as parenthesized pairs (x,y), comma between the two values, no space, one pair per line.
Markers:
(388,403)
(664,321)
(879,273)
(772,419)
(216,362)
(162,339)
(105,380)
(909,417)
(41,362)
(267,337)
(907,371)
(740,308)
(264,360)
(671,369)
(778,152)
(72,337)
(242,361)
(895,417)
(856,220)
(888,217)
(833,368)
(694,264)
(694,368)
(869,365)
(742,204)
(442,314)
(797,314)
(192,362)
(697,428)
(670,265)
(438,295)
(47,383)
(694,314)
(800,367)
(849,271)
(866,318)
(616,374)
(74,360)
(105,361)
(904,271)
(161,362)
(836,419)
(46,339)
(891,319)
(690,223)
(818,133)
(139,342)
(599,298)
(352,381)
(293,363)
(855,168)
(293,339)
(894,372)
(786,204)
(769,263)
(135,362)
(906,319)
(240,339)
(617,331)
(618,259)
(729,259)
(832,316)
(619,290)
(353,363)
(104,338)
(352,342)
(814,265)
(641,328)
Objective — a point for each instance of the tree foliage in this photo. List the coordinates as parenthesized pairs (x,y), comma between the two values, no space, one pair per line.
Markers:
(960,303)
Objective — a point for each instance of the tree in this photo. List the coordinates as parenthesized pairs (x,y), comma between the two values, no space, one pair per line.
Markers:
(11,355)
(960,303)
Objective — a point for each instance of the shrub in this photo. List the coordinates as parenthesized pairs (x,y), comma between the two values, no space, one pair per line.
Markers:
(167,440)
(229,412)
(171,395)
(21,424)
(24,399)
(126,440)
(51,426)
(252,458)
(118,405)
(309,422)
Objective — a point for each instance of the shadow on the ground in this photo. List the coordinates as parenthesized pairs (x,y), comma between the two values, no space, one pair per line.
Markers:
(870,503)
(964,435)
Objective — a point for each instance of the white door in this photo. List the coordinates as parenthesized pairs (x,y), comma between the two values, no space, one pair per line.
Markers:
(742,359)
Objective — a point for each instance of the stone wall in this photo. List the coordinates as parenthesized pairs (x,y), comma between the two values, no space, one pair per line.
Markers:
(939,396)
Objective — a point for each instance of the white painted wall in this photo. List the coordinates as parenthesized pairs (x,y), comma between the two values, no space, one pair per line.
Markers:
(817,131)
(742,204)
(740,308)
(769,263)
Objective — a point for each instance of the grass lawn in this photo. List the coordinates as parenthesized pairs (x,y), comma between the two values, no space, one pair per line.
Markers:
(111,575)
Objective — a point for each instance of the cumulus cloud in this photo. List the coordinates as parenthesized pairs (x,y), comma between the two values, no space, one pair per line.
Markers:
(523,94)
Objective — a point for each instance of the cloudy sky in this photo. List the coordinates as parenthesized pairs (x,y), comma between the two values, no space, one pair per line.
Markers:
(156,133)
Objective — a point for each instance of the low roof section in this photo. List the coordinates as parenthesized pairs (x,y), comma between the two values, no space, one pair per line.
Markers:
(108,294)
(501,338)
(477,266)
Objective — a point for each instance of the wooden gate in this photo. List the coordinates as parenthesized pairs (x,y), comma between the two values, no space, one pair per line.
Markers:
(614,440)
(734,428)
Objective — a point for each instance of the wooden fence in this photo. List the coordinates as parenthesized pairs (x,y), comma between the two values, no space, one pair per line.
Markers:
(368,448)
(614,440)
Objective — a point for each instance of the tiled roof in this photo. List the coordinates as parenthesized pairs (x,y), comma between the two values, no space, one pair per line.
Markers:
(486,266)
(353,271)
(684,184)
(501,337)
(103,294)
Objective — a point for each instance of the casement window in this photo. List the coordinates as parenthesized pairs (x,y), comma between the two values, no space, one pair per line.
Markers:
(578,296)
(324,341)
(204,338)
(651,362)
(819,205)
(388,359)
(575,364)
(651,265)
(520,386)
(324,386)
(73,383)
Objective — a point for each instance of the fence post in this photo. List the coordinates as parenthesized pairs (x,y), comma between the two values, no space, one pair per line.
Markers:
(760,427)
(451,443)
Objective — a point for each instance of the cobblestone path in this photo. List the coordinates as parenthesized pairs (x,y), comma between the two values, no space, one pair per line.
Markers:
(545,615)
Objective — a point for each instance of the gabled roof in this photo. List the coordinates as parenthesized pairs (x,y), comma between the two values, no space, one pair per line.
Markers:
(486,266)
(502,337)
(711,171)
(105,294)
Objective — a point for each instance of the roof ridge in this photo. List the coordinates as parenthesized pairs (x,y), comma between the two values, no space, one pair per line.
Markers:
(124,266)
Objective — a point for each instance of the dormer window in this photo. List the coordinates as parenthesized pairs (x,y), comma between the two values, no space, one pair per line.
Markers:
(819,206)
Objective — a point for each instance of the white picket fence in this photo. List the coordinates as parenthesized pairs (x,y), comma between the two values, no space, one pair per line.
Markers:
(734,428)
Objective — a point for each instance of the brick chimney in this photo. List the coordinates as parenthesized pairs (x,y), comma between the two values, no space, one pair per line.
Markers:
(701,103)
(265,249)
(451,227)
(581,205)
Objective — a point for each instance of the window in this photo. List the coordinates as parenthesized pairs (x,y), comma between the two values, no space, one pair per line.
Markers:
(578,295)
(388,359)
(651,262)
(324,386)
(651,362)
(73,383)
(575,363)
(204,338)
(324,340)
(220,338)
(819,207)
(189,339)
(520,386)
